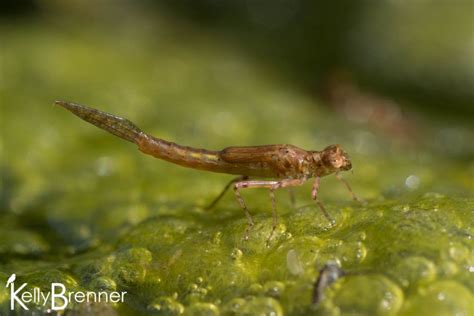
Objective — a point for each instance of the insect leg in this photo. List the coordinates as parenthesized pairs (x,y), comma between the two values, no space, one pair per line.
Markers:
(354,197)
(228,185)
(315,189)
(286,183)
(274,214)
(249,184)
(272,185)
(314,196)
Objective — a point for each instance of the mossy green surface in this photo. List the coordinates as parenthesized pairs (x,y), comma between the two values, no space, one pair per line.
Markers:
(81,207)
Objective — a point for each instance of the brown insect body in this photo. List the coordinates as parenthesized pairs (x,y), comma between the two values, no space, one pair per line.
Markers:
(267,161)
(273,161)
(291,165)
(254,161)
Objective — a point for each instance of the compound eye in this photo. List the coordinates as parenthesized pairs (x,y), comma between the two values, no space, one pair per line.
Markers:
(337,163)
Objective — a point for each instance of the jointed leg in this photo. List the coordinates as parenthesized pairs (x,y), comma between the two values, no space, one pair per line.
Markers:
(246,211)
(314,196)
(272,185)
(315,189)
(354,197)
(286,183)
(228,185)
(274,214)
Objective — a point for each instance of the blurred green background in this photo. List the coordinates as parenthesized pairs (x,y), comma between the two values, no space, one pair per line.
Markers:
(391,81)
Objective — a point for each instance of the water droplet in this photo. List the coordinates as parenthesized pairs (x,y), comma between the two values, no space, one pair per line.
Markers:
(414,270)
(261,306)
(448,268)
(207,309)
(166,306)
(412,182)
(458,252)
(192,287)
(236,254)
(368,295)
(234,306)
(256,289)
(103,283)
(440,298)
(273,288)
(352,252)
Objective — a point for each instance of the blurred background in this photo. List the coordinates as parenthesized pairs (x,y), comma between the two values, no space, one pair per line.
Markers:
(391,81)
(419,53)
(380,78)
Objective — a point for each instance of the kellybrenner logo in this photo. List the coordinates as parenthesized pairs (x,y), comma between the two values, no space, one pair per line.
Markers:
(11,279)
(58,297)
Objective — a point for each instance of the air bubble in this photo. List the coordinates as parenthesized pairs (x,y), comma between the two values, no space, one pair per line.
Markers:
(441,298)
(256,289)
(166,306)
(207,309)
(236,254)
(414,270)
(458,252)
(412,182)
(273,288)
(368,295)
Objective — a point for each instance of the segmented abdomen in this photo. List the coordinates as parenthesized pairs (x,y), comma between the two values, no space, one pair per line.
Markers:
(197,158)
(190,157)
(182,155)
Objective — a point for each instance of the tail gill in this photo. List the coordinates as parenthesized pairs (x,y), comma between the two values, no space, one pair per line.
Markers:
(116,125)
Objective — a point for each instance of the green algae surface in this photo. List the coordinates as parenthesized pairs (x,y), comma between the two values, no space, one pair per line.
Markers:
(81,207)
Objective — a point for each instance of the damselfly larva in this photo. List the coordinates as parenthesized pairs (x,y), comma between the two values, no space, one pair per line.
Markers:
(286,165)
